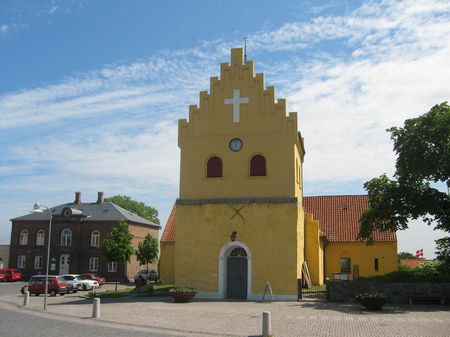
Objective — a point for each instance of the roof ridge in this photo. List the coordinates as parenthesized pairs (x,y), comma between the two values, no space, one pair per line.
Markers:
(336,195)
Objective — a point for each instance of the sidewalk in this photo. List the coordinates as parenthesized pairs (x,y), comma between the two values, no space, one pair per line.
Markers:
(235,318)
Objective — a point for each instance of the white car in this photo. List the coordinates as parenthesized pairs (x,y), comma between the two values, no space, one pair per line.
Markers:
(83,284)
(73,282)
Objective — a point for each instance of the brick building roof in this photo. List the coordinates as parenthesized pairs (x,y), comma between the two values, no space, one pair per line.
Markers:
(339,216)
(169,230)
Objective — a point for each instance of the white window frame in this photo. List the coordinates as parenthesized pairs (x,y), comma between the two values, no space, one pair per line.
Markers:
(112,267)
(21,261)
(23,237)
(40,237)
(66,237)
(95,238)
(38,262)
(93,264)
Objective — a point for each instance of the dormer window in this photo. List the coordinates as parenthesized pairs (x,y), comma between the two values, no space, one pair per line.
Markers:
(214,167)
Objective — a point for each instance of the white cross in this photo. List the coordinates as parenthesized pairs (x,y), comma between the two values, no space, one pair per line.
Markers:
(236,101)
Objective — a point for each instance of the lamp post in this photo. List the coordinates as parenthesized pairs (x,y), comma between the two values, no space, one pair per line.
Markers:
(37,208)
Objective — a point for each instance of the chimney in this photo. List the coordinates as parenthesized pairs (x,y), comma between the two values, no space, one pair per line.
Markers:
(100,198)
(77,198)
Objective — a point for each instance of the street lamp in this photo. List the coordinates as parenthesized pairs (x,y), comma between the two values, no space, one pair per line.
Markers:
(37,208)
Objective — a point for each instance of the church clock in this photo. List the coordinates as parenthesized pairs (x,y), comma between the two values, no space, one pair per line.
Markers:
(235,144)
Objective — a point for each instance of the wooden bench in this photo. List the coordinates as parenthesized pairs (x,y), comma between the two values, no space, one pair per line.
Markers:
(425,298)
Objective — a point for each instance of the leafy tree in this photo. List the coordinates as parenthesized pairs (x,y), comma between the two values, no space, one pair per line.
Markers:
(406,255)
(423,159)
(147,251)
(139,208)
(117,245)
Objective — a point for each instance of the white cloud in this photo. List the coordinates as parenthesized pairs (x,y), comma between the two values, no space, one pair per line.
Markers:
(115,128)
(3,30)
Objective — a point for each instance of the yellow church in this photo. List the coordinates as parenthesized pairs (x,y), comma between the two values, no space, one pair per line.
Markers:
(241,219)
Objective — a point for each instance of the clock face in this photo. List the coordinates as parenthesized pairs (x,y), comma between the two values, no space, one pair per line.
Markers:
(235,144)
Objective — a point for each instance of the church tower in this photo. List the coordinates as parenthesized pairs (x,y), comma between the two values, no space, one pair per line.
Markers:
(239,216)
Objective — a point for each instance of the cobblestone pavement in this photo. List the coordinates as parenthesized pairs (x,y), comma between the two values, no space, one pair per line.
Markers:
(234,318)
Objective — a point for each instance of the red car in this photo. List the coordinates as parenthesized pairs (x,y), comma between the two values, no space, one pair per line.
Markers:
(11,274)
(95,277)
(56,285)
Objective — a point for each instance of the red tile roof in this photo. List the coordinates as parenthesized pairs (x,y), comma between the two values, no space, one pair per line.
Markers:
(413,263)
(169,230)
(339,216)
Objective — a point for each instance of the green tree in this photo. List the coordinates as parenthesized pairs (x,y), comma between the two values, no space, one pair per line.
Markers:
(147,251)
(139,208)
(423,161)
(406,255)
(116,246)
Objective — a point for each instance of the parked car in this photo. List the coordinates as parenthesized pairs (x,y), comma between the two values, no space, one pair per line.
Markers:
(146,274)
(56,285)
(73,283)
(95,277)
(11,274)
(2,275)
(85,284)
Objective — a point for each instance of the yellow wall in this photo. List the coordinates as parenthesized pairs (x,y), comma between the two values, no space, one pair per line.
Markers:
(167,262)
(314,249)
(362,255)
(269,230)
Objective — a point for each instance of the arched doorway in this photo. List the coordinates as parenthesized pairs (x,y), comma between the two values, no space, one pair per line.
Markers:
(237,273)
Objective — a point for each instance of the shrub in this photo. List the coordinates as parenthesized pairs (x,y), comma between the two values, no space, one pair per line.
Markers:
(428,272)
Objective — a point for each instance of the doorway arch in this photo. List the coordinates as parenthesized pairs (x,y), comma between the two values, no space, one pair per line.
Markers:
(223,266)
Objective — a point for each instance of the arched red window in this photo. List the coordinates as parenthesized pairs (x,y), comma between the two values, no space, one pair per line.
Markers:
(214,167)
(258,166)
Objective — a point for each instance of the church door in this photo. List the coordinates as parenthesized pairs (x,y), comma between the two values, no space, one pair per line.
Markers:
(237,274)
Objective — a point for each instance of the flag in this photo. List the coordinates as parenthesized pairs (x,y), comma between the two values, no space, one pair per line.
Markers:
(419,253)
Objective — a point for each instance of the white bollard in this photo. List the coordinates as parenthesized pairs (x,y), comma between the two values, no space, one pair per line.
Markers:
(26,297)
(96,308)
(267,324)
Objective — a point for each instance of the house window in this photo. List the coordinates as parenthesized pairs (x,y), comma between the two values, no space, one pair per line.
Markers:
(66,237)
(21,261)
(375,264)
(40,238)
(112,267)
(38,262)
(258,166)
(95,238)
(93,264)
(23,237)
(345,265)
(214,167)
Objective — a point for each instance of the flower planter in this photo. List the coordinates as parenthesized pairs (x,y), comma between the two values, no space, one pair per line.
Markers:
(372,301)
(181,295)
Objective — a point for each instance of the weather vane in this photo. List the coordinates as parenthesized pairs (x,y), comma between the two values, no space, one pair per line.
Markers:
(245,48)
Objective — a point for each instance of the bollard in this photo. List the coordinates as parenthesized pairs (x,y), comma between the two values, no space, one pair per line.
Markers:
(96,308)
(26,297)
(267,324)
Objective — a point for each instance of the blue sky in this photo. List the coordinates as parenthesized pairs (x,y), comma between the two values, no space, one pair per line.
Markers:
(91,91)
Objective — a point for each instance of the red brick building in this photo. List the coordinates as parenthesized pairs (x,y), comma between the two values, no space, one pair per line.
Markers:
(78,229)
